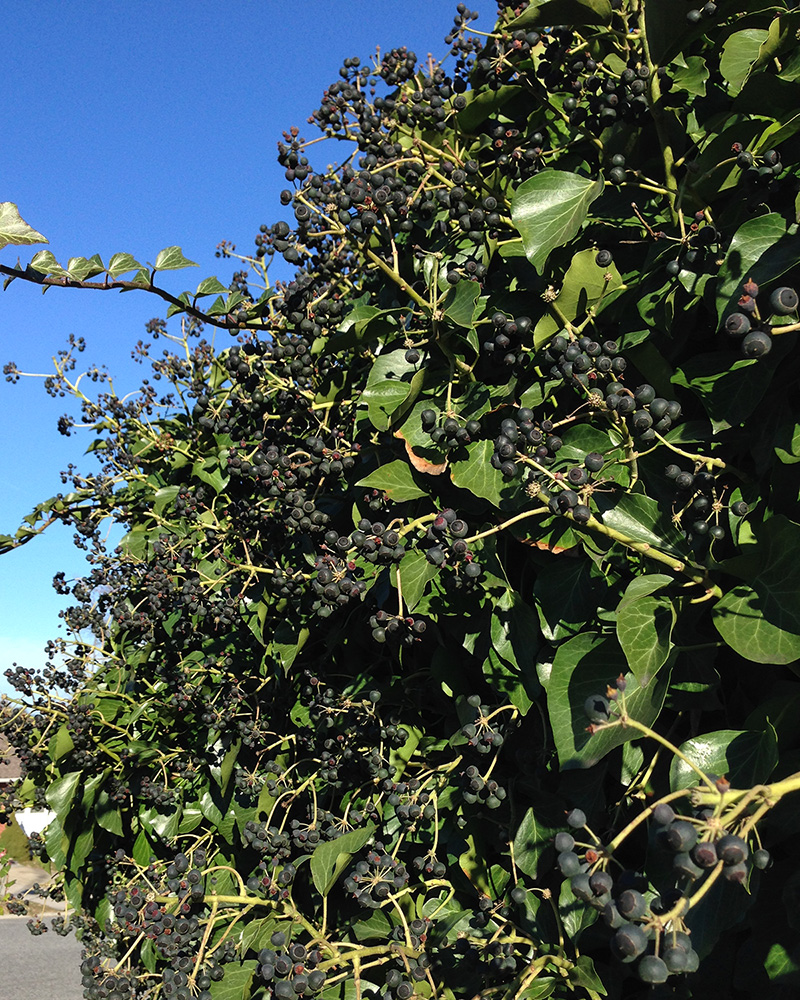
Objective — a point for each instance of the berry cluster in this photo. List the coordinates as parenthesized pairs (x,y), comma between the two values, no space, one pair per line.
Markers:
(387,627)
(449,434)
(373,880)
(506,346)
(749,327)
(291,972)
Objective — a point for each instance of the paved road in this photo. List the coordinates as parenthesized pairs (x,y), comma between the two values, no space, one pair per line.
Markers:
(38,968)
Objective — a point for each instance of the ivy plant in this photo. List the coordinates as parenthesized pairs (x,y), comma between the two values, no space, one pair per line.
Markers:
(451,649)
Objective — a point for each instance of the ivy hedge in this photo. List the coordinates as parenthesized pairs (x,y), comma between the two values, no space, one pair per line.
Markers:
(451,649)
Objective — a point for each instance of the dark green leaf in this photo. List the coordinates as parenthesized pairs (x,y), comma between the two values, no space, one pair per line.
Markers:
(416,571)
(574,12)
(388,386)
(745,758)
(584,666)
(762,248)
(459,304)
(761,621)
(644,625)
(330,859)
(576,915)
(61,792)
(535,833)
(739,53)
(236,983)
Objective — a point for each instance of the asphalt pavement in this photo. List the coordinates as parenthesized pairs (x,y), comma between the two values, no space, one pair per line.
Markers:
(46,967)
(42,967)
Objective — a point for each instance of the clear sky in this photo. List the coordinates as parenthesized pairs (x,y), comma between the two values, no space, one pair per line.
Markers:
(132,127)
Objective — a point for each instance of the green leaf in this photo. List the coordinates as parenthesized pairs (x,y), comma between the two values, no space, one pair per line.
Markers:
(477,474)
(574,12)
(257,933)
(644,625)
(14,229)
(641,519)
(761,248)
(210,286)
(690,74)
(665,30)
(397,480)
(121,263)
(416,571)
(61,792)
(534,837)
(483,104)
(745,758)
(729,386)
(583,287)
(576,915)
(459,303)
(566,597)
(82,269)
(781,37)
(761,621)
(236,983)
(782,965)
(549,209)
(583,667)
(107,816)
(388,387)
(45,263)
(511,665)
(330,859)
(172,259)
(739,53)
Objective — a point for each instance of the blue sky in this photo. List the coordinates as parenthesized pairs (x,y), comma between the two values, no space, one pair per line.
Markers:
(131,128)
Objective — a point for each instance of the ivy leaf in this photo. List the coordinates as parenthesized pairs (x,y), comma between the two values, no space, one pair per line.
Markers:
(762,248)
(549,209)
(642,519)
(739,54)
(388,387)
(534,837)
(459,304)
(644,625)
(45,263)
(744,757)
(172,259)
(583,287)
(730,387)
(583,667)
(477,474)
(14,229)
(235,984)
(61,792)
(395,479)
(416,571)
(575,12)
(121,263)
(330,859)
(576,915)
(761,621)
(210,286)
(81,268)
